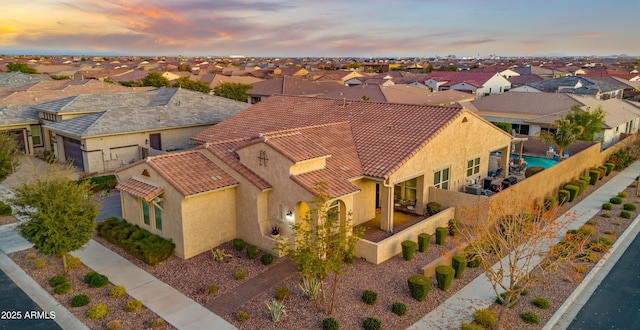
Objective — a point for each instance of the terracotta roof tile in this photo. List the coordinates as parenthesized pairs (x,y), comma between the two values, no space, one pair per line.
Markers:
(296,146)
(225,153)
(139,189)
(330,182)
(191,172)
(384,135)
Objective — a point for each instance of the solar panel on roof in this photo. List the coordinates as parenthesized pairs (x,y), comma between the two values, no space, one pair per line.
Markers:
(163,97)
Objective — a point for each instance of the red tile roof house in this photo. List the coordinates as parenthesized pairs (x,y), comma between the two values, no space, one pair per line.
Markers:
(260,167)
(478,83)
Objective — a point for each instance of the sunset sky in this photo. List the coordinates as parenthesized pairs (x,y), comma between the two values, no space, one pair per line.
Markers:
(320,28)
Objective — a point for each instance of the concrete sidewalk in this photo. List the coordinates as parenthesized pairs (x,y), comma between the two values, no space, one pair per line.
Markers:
(480,294)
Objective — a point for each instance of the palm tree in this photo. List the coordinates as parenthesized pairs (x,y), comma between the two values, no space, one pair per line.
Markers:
(566,133)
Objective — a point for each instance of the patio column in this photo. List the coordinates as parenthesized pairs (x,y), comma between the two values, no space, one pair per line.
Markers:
(386,209)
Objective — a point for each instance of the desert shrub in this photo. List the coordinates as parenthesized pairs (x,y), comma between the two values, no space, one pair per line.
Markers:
(371,323)
(132,305)
(587,256)
(541,303)
(609,232)
(605,215)
(238,244)
(57,280)
(399,308)
(408,248)
(573,191)
(80,300)
(423,242)
(592,222)
(485,317)
(157,323)
(433,208)
(454,225)
(587,230)
(607,239)
(549,203)
(530,317)
(419,286)
(252,251)
(5,209)
(282,292)
(473,259)
(603,171)
(471,326)
(211,289)
(441,235)
(96,280)
(622,194)
(610,167)
(615,200)
(242,316)
(563,196)
(97,312)
(621,159)
(503,296)
(444,276)
(330,324)
(607,206)
(114,325)
(594,175)
(118,291)
(532,170)
(73,262)
(240,274)
(616,222)
(625,214)
(267,259)
(579,269)
(459,263)
(63,288)
(369,297)
(629,206)
(30,256)
(39,263)
(143,245)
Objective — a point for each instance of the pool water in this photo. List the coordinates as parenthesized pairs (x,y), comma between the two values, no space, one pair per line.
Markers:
(537,161)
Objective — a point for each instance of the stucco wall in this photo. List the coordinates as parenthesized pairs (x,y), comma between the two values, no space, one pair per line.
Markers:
(208,220)
(364,202)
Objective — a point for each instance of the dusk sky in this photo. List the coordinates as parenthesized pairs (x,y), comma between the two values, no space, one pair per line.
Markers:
(318,28)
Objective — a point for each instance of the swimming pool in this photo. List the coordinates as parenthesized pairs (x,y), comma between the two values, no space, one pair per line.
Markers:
(537,161)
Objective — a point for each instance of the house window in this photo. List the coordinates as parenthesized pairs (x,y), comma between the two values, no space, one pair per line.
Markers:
(158,215)
(406,190)
(441,179)
(145,213)
(334,210)
(36,136)
(473,166)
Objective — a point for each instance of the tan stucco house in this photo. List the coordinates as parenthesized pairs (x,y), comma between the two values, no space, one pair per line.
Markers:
(261,167)
(104,132)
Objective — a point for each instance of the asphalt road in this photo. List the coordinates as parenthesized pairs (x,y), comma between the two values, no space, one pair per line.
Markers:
(615,304)
(18,311)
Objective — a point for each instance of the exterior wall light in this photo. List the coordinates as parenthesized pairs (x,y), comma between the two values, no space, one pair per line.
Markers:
(289,216)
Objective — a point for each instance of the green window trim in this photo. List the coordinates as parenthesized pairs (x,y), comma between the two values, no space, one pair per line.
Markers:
(158,217)
(441,179)
(473,166)
(145,213)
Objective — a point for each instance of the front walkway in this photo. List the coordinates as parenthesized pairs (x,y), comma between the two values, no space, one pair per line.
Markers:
(480,294)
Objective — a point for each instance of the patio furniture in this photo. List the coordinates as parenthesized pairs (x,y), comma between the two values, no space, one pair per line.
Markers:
(496,173)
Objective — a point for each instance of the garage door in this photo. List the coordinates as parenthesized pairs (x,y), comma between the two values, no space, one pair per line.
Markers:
(73,151)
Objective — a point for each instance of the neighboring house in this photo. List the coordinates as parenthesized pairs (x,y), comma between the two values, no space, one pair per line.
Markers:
(479,83)
(400,93)
(104,132)
(261,167)
(595,88)
(14,79)
(530,113)
(288,85)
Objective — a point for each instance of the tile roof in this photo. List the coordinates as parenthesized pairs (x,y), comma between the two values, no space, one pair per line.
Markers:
(288,85)
(295,146)
(385,135)
(228,156)
(456,77)
(139,189)
(190,172)
(325,179)
(534,104)
(14,79)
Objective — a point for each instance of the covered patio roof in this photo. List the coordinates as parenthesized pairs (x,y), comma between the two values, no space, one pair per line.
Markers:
(140,189)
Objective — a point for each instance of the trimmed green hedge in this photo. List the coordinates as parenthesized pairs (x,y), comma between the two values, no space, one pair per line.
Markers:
(610,167)
(625,214)
(423,242)
(607,206)
(5,209)
(573,191)
(419,286)
(629,206)
(408,248)
(594,176)
(459,264)
(549,203)
(603,170)
(582,185)
(441,235)
(444,276)
(586,178)
(615,200)
(140,243)
(563,196)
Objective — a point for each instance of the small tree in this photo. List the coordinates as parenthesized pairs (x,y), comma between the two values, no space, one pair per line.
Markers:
(198,86)
(234,91)
(20,67)
(155,79)
(9,155)
(320,246)
(566,133)
(61,212)
(590,120)
(511,244)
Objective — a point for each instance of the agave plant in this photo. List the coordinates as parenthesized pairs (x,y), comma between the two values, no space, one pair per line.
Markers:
(220,254)
(310,287)
(276,309)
